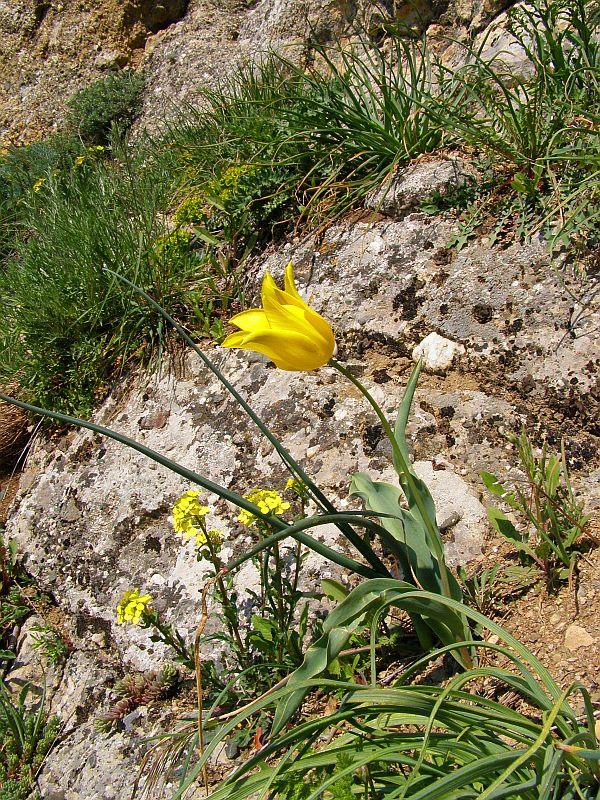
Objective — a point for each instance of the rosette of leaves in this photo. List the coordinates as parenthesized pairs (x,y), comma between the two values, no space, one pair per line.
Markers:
(26,736)
(139,689)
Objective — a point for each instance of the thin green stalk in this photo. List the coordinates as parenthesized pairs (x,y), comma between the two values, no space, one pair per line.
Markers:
(406,471)
(297,565)
(222,589)
(279,590)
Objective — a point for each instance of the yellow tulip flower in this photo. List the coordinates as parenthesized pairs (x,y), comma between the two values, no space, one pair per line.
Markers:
(285,329)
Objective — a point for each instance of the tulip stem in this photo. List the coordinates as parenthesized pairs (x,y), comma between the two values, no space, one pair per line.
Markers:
(430,525)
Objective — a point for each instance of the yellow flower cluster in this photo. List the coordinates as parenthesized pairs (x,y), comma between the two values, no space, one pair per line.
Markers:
(268,501)
(191,210)
(189,520)
(298,487)
(38,184)
(187,512)
(132,606)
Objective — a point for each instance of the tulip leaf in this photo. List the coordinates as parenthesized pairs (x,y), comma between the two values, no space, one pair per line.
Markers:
(334,589)
(403,415)
(350,615)
(413,554)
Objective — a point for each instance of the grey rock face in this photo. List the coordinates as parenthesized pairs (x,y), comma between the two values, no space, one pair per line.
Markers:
(95,518)
(407,189)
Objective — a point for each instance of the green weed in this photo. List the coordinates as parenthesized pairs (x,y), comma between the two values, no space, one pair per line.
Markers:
(106,107)
(49,643)
(26,736)
(417,740)
(551,519)
(541,127)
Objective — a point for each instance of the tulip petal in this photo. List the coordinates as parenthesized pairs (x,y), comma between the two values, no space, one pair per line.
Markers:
(278,308)
(287,349)
(250,319)
(289,283)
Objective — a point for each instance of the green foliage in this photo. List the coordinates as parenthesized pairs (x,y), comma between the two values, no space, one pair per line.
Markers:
(542,127)
(417,740)
(23,170)
(49,642)
(26,736)
(365,118)
(551,520)
(109,105)
(13,605)
(488,589)
(69,323)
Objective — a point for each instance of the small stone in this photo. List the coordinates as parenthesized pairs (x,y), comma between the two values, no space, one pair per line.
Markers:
(231,749)
(406,190)
(437,353)
(155,419)
(69,512)
(576,637)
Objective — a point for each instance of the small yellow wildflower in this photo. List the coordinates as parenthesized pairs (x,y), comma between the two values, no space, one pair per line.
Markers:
(188,517)
(38,184)
(298,487)
(132,606)
(215,535)
(268,501)
(79,161)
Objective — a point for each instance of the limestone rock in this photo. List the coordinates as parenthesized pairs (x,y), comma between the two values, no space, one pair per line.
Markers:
(437,352)
(576,636)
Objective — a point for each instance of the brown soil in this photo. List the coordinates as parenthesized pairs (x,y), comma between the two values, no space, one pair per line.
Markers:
(561,625)
(8,490)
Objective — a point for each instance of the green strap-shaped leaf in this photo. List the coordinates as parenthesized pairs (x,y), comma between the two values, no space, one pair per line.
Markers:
(403,415)
(414,554)
(370,596)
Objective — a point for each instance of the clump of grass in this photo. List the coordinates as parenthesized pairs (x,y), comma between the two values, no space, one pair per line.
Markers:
(21,169)
(64,320)
(538,131)
(363,112)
